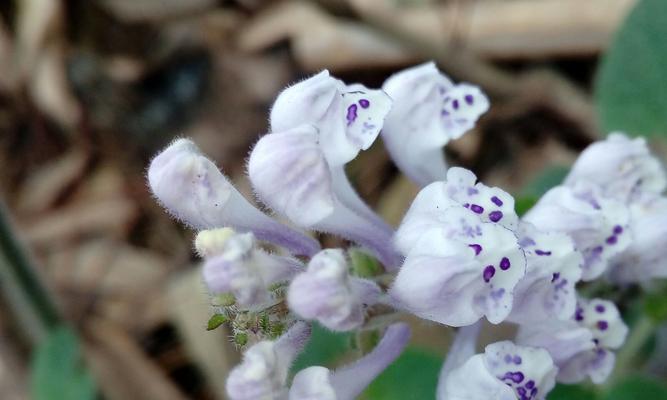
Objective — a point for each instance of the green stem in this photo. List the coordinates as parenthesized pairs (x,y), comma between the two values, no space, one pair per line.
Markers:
(22,288)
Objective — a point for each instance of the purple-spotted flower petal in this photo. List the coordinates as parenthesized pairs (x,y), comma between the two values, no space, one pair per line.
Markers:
(644,259)
(195,192)
(348,118)
(263,372)
(598,225)
(581,346)
(429,209)
(553,267)
(240,268)
(327,293)
(428,111)
(348,382)
(621,166)
(459,272)
(504,371)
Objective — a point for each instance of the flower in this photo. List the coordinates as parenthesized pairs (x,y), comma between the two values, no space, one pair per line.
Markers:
(620,166)
(643,260)
(263,372)
(428,111)
(347,383)
(194,191)
(326,292)
(318,125)
(240,268)
(504,371)
(598,225)
(553,267)
(462,262)
(580,346)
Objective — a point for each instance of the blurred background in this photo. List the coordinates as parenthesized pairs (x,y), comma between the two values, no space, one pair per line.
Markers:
(100,292)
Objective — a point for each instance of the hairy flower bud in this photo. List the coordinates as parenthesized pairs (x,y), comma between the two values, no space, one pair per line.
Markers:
(327,293)
(195,192)
(428,111)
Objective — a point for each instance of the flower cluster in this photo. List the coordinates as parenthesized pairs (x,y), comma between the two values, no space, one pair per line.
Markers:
(460,255)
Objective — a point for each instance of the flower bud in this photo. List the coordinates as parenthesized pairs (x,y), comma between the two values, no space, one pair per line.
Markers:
(428,111)
(327,293)
(504,371)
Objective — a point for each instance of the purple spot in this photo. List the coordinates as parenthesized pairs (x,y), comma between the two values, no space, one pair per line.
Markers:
(472,190)
(599,308)
(496,201)
(351,114)
(602,325)
(579,314)
(497,294)
(516,377)
(560,285)
(495,216)
(364,103)
(530,384)
(542,253)
(597,251)
(466,205)
(507,358)
(618,229)
(455,104)
(476,247)
(505,264)
(488,273)
(477,209)
(522,392)
(533,392)
(555,276)
(611,240)
(517,360)
(469,99)
(444,113)
(525,242)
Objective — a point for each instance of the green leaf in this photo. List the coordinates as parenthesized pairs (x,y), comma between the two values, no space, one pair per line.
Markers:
(215,321)
(571,392)
(363,264)
(631,89)
(414,376)
(636,388)
(58,372)
(323,348)
(524,203)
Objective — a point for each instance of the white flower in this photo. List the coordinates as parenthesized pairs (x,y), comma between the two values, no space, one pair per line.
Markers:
(457,273)
(621,166)
(194,191)
(318,125)
(327,293)
(580,346)
(553,267)
(598,225)
(504,372)
(428,111)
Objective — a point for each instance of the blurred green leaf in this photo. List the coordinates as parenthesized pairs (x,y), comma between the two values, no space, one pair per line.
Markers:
(655,304)
(545,180)
(323,348)
(524,203)
(363,264)
(571,392)
(637,388)
(58,372)
(215,321)
(414,376)
(631,89)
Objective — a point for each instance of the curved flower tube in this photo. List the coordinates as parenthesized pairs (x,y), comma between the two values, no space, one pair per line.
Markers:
(347,383)
(598,225)
(581,347)
(428,111)
(194,191)
(553,267)
(263,372)
(621,166)
(327,293)
(504,371)
(240,268)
